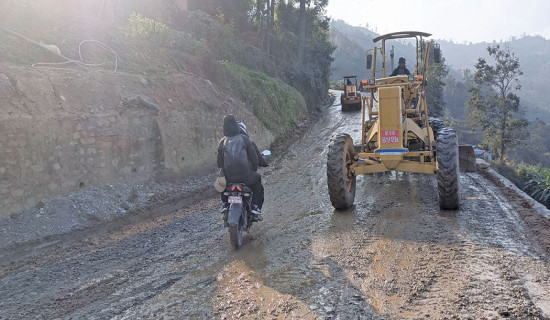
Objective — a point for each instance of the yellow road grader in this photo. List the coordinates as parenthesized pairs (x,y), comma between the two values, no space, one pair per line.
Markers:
(350,98)
(397,133)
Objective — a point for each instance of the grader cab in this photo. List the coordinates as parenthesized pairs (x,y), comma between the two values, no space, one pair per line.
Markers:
(397,133)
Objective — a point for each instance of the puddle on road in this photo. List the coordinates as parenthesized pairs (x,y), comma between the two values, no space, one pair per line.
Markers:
(305,214)
(343,221)
(242,293)
(251,254)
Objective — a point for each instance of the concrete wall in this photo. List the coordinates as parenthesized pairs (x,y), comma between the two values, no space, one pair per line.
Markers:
(66,131)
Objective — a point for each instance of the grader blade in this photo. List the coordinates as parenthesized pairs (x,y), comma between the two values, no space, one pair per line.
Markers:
(466,158)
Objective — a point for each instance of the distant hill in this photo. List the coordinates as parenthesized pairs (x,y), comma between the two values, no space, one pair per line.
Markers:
(533,53)
(352,44)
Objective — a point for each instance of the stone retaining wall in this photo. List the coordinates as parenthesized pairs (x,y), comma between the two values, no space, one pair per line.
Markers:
(66,131)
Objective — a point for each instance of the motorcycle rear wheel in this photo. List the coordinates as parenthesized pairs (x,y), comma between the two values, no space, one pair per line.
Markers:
(236,235)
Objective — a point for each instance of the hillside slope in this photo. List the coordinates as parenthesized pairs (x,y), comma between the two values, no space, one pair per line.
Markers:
(121,111)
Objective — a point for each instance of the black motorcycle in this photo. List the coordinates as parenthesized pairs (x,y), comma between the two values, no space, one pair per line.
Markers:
(239,216)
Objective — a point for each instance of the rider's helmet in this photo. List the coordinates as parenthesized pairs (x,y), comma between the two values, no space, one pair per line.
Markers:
(242,128)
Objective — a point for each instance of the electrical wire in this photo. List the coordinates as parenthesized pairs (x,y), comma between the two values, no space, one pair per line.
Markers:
(69,60)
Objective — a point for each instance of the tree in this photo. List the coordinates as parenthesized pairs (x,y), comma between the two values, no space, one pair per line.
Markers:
(270,25)
(435,76)
(494,106)
(288,39)
(301,33)
(456,95)
(534,151)
(311,77)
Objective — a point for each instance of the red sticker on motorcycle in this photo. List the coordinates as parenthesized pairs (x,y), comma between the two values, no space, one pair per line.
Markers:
(390,136)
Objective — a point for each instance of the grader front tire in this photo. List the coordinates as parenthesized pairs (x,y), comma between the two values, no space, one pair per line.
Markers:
(341,184)
(448,176)
(343,106)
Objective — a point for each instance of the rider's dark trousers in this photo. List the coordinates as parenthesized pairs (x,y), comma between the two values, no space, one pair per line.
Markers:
(254,182)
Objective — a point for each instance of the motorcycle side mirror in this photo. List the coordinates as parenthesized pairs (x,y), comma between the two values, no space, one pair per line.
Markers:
(266,154)
(369,61)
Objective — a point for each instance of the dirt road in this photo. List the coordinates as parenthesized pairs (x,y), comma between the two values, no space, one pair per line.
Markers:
(394,255)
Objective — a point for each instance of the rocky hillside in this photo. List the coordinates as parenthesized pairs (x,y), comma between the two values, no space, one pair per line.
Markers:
(86,105)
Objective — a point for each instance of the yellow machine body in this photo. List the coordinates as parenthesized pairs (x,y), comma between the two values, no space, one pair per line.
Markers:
(396,132)
(386,138)
(351,97)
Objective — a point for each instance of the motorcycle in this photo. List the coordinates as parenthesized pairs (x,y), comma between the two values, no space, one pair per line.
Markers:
(239,216)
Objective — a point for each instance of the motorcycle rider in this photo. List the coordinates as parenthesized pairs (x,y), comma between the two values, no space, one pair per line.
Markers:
(239,160)
(261,160)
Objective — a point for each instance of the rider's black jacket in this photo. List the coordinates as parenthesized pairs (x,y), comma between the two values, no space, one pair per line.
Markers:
(231,128)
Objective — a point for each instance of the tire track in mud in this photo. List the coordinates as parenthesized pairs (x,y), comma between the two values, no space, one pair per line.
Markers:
(122,275)
(470,274)
(447,270)
(487,218)
(447,261)
(393,255)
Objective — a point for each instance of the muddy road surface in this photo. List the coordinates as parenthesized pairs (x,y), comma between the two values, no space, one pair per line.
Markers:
(394,255)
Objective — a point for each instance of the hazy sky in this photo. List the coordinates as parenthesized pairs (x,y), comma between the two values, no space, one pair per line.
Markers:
(458,20)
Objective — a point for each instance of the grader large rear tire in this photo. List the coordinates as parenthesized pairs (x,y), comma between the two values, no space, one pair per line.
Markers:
(448,176)
(341,184)
(436,125)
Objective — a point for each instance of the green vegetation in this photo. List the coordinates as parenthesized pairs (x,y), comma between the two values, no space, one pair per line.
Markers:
(535,181)
(248,48)
(145,27)
(494,106)
(275,55)
(264,36)
(278,105)
(435,77)
(153,32)
(264,44)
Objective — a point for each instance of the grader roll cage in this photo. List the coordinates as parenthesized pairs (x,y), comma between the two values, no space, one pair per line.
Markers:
(396,132)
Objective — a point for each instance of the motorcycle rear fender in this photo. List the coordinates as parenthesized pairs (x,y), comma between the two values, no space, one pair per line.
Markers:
(235,212)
